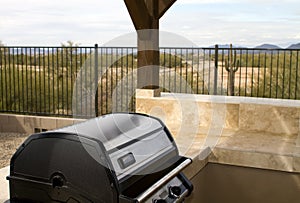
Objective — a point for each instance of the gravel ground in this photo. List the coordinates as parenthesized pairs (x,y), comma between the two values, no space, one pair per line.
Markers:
(9,142)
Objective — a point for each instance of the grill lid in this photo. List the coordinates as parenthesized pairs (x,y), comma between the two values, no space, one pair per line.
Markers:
(100,160)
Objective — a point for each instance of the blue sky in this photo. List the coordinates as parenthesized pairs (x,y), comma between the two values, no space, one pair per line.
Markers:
(205,22)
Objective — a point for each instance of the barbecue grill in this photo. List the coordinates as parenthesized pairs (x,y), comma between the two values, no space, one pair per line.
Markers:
(117,157)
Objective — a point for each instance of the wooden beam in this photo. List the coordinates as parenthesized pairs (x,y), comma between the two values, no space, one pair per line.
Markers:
(139,13)
(145,15)
(152,6)
(163,6)
(148,59)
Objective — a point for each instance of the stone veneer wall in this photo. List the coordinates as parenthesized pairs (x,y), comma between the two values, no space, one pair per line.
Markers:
(186,111)
(30,124)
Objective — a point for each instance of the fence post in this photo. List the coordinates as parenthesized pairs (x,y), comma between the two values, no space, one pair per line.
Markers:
(96,80)
(216,70)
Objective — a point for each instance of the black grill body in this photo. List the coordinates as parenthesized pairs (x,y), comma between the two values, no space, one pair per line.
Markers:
(118,157)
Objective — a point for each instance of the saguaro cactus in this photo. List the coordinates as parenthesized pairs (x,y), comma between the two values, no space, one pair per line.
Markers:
(231,66)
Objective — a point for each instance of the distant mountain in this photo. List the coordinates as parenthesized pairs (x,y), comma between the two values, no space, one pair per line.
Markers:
(294,46)
(268,46)
(222,46)
(226,46)
(263,46)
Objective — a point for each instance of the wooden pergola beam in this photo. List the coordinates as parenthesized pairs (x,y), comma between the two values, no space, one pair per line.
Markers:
(163,6)
(139,14)
(145,15)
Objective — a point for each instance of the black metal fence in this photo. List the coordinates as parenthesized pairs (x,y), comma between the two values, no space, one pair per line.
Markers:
(90,81)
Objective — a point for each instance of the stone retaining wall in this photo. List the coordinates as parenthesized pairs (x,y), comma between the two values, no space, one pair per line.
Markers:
(275,116)
(31,124)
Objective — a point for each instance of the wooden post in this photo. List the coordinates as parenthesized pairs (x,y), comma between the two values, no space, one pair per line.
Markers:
(145,15)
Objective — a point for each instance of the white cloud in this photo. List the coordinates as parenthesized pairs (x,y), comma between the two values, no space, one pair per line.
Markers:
(29,22)
(206,22)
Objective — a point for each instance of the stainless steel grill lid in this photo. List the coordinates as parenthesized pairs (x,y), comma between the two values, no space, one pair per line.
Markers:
(114,158)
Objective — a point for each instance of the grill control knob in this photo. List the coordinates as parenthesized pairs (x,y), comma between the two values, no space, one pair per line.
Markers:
(159,201)
(174,191)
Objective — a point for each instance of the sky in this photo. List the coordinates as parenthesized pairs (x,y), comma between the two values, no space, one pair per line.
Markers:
(204,22)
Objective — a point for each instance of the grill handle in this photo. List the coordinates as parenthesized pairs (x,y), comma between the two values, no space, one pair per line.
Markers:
(163,180)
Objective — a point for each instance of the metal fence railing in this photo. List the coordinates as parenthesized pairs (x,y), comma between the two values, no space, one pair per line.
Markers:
(90,81)
(260,73)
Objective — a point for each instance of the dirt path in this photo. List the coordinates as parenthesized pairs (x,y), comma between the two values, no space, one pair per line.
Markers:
(9,142)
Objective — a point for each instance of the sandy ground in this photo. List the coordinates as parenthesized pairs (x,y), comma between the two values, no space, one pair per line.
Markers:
(9,142)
